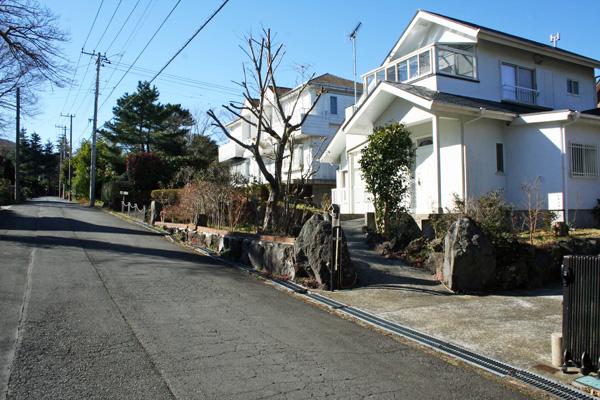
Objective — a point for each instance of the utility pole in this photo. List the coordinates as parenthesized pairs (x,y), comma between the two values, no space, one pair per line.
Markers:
(99,60)
(17,150)
(70,116)
(61,149)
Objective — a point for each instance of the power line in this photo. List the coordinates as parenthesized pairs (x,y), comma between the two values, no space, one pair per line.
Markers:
(214,14)
(79,58)
(142,52)
(109,23)
(129,39)
(122,26)
(92,27)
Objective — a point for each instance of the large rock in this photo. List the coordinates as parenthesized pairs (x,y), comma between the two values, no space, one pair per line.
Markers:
(313,252)
(404,230)
(469,258)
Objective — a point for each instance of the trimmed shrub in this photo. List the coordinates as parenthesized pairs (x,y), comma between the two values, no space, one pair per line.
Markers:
(6,192)
(145,170)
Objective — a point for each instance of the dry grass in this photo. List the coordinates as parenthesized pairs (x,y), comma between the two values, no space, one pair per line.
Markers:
(547,237)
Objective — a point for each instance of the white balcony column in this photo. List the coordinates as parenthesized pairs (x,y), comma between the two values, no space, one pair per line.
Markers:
(435,124)
(350,183)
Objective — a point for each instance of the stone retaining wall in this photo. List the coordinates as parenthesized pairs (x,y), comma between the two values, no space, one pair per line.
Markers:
(270,254)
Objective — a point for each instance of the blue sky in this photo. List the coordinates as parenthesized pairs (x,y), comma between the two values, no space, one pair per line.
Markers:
(314,33)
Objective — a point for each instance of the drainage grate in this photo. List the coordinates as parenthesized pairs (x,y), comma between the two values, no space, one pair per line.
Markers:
(494,366)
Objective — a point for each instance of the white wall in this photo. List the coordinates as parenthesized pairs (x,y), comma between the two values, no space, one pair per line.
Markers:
(533,152)
(480,140)
(583,191)
(450,161)
(551,78)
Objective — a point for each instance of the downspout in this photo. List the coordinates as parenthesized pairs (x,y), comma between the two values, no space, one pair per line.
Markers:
(463,154)
(573,117)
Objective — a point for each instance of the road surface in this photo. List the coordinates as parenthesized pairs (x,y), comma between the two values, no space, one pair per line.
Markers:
(96,307)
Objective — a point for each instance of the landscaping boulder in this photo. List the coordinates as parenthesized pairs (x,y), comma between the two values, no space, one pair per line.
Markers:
(279,260)
(405,229)
(313,251)
(434,264)
(469,258)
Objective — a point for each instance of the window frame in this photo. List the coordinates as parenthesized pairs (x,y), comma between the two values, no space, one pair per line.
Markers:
(570,83)
(333,105)
(534,88)
(449,48)
(584,174)
(500,164)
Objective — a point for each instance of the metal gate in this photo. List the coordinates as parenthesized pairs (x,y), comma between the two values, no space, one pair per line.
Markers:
(581,312)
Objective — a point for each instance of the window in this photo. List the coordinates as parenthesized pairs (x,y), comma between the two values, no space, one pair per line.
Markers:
(572,87)
(457,59)
(333,105)
(499,157)
(518,84)
(402,71)
(391,74)
(584,160)
(413,67)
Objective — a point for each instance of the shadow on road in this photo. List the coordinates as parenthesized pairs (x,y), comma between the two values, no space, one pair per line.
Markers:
(19,222)
(52,242)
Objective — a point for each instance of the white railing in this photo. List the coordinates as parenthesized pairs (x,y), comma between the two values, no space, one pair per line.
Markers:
(519,94)
(230,150)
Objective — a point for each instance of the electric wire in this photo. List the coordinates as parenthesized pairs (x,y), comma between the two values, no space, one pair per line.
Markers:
(141,52)
(129,39)
(79,58)
(122,26)
(108,25)
(214,14)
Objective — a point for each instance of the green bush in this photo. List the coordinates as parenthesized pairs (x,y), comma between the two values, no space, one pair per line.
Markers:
(6,192)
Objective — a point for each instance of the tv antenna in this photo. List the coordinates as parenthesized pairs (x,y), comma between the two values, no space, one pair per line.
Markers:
(554,38)
(352,37)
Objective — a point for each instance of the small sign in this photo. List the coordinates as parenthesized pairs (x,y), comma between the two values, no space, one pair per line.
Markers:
(122,193)
(555,204)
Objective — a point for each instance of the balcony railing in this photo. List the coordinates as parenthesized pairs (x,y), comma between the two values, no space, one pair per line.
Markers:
(230,150)
(519,94)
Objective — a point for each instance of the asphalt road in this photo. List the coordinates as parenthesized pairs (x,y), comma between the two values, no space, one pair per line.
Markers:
(95,307)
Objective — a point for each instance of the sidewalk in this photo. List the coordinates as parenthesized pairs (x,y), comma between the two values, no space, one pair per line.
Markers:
(513,327)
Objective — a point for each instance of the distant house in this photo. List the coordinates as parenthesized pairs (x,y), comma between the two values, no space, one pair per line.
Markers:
(487,110)
(309,142)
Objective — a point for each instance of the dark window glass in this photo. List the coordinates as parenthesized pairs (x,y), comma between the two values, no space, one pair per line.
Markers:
(333,105)
(499,157)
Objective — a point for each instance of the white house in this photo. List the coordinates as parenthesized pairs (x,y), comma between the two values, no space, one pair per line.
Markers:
(487,110)
(309,142)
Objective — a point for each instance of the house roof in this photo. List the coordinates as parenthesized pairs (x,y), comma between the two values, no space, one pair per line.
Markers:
(334,80)
(496,33)
(464,101)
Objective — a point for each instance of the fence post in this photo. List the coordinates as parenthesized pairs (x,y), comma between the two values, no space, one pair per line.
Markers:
(128,209)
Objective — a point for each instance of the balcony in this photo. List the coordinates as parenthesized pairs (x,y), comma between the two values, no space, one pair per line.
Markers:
(456,59)
(229,151)
(519,94)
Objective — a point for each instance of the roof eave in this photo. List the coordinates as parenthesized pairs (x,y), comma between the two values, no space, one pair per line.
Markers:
(527,45)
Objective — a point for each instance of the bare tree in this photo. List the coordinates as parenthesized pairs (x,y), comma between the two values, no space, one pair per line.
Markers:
(534,205)
(263,109)
(29,50)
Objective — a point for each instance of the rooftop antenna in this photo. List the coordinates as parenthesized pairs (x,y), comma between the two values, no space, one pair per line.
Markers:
(554,38)
(302,68)
(352,37)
